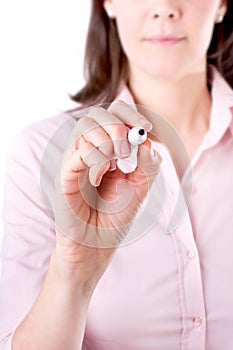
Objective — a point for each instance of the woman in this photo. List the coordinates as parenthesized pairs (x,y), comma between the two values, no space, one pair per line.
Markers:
(68,282)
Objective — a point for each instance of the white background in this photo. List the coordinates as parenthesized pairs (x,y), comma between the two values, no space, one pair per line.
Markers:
(41,61)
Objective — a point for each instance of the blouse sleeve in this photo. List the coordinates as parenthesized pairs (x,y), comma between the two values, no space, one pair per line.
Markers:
(28,238)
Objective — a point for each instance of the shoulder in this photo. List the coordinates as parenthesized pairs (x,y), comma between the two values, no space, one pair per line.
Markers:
(41,132)
(31,142)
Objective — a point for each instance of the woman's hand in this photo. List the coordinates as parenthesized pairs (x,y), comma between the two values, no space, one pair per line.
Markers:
(96,202)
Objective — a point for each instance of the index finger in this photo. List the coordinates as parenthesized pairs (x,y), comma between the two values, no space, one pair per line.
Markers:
(128,115)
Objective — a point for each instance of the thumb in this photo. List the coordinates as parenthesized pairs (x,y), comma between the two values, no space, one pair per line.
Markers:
(148,159)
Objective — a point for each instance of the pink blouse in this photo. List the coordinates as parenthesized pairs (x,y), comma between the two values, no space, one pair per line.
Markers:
(170,286)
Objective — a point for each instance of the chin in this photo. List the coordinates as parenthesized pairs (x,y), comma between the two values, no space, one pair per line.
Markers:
(165,73)
(161,65)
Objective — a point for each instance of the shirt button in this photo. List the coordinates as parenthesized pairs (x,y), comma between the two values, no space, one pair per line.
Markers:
(194,190)
(191,254)
(197,321)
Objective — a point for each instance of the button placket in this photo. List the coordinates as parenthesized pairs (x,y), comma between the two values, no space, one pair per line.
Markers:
(194,190)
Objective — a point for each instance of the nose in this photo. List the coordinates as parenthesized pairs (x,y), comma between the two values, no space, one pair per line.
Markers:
(165,11)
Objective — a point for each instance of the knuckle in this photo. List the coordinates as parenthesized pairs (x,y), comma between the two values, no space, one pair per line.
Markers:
(107,149)
(119,131)
(96,110)
(85,124)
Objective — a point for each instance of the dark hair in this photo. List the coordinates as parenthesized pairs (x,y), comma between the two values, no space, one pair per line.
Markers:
(106,64)
(220,52)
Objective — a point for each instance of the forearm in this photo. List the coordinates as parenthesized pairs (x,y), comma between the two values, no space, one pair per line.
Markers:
(58,317)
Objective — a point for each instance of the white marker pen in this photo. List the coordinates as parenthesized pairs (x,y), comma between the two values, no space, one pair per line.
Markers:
(136,137)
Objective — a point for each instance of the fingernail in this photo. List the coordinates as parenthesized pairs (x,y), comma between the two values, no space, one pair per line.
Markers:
(125,148)
(97,181)
(112,166)
(145,124)
(120,101)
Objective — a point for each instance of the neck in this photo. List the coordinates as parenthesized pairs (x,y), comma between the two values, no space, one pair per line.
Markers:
(185,102)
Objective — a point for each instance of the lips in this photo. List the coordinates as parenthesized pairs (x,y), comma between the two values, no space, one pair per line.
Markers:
(165,39)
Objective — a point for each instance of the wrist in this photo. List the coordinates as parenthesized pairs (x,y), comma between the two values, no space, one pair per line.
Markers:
(70,280)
